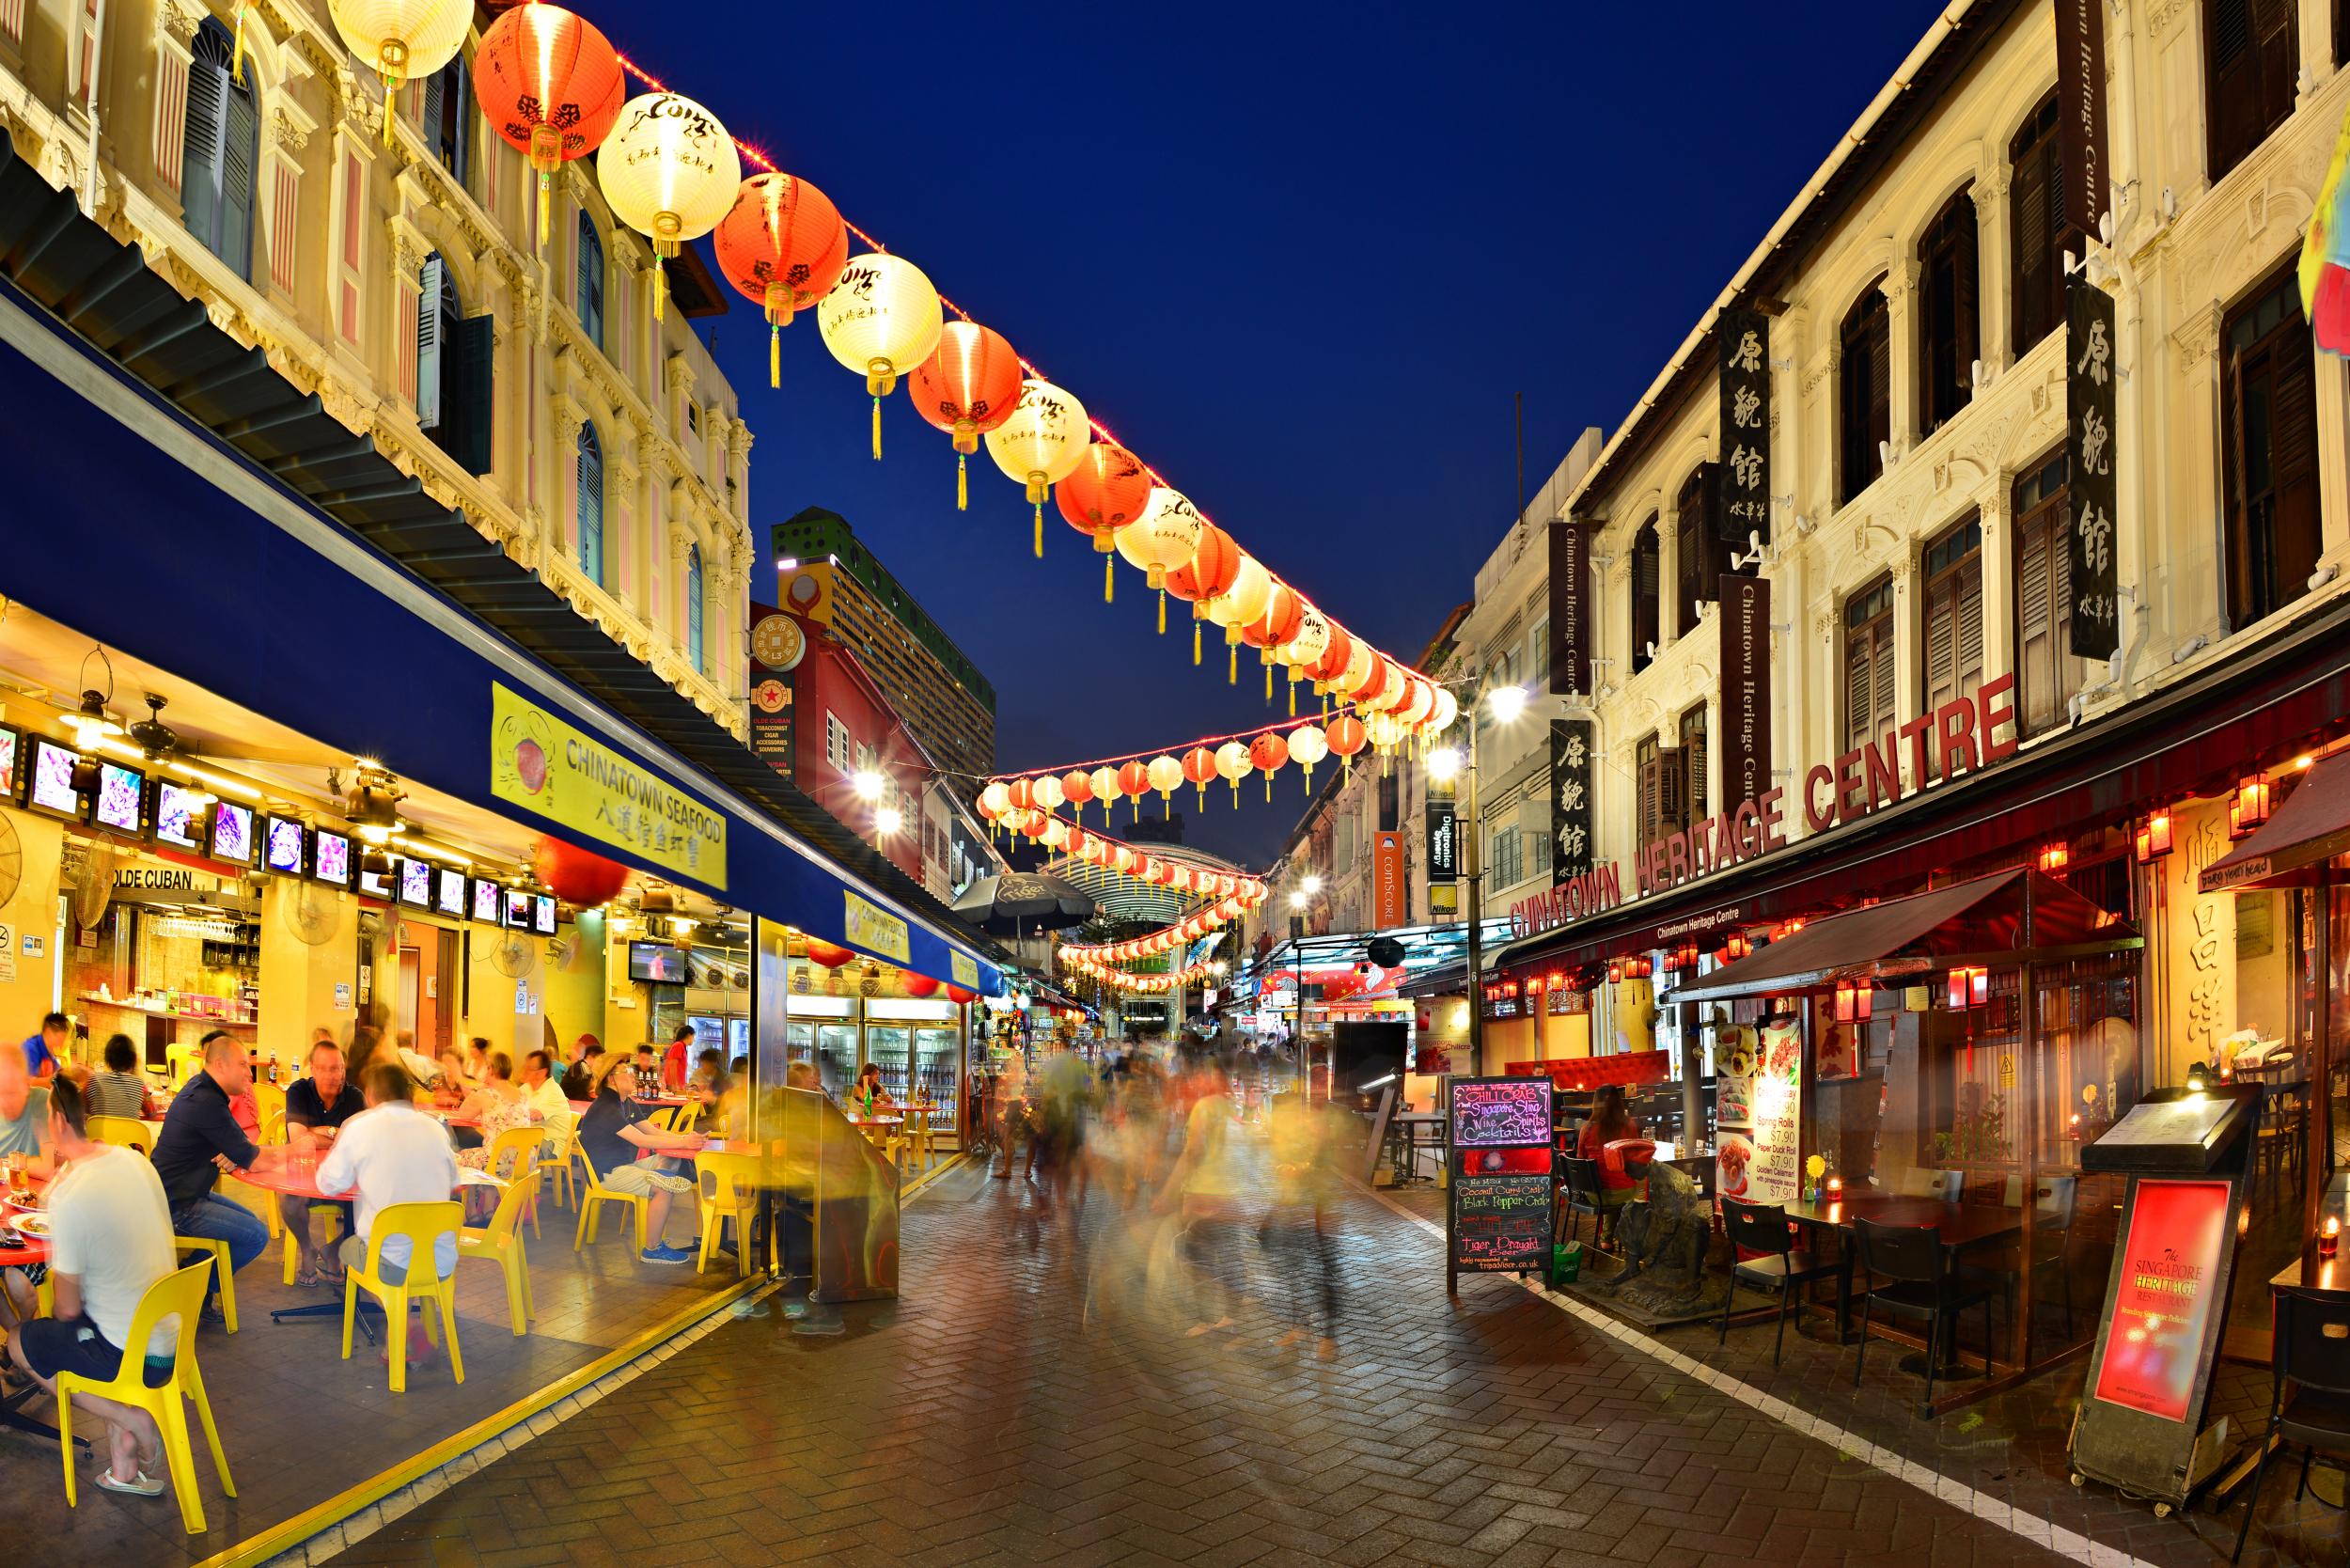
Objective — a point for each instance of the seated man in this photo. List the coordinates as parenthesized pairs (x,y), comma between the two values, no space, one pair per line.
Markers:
(392,1152)
(613,1133)
(542,1094)
(316,1109)
(579,1078)
(201,1142)
(109,1242)
(23,1130)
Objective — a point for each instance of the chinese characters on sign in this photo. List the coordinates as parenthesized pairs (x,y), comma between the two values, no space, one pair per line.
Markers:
(1572,765)
(1745,430)
(547,766)
(1746,667)
(2089,389)
(1569,608)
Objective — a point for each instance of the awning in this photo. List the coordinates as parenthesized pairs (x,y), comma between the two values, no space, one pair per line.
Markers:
(1446,980)
(2292,849)
(2013,914)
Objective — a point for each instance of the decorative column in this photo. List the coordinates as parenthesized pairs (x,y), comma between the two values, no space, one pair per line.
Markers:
(1901,287)
(409,250)
(1994,276)
(678,382)
(1669,627)
(2193,599)
(1909,669)
(562,528)
(680,544)
(623,545)
(176,21)
(1994,503)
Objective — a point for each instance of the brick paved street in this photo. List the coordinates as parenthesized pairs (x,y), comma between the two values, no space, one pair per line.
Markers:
(980,1420)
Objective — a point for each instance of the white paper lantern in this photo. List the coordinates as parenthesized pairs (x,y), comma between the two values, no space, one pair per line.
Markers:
(401,39)
(670,172)
(1163,537)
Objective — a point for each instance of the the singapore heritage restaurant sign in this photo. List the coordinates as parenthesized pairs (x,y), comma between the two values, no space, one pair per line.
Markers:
(1965,735)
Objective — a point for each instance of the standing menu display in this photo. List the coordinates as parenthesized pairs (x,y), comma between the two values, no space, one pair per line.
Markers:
(1497,1149)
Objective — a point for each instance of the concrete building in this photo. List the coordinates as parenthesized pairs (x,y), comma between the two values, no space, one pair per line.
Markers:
(400,283)
(827,573)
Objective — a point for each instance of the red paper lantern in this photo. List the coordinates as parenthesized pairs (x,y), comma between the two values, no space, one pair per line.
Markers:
(960,996)
(1345,734)
(1108,490)
(1283,611)
(1200,767)
(783,247)
(1334,659)
(1214,565)
(969,386)
(919,985)
(1020,791)
(831,955)
(1075,787)
(550,84)
(577,876)
(1267,754)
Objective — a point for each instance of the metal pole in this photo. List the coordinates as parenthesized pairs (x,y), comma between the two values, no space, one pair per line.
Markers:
(1473,868)
(2317,1158)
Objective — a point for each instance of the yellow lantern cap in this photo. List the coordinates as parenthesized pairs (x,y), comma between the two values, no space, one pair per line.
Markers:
(880,318)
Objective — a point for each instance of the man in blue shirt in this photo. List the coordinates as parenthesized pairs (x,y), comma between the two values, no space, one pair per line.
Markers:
(200,1139)
(44,1052)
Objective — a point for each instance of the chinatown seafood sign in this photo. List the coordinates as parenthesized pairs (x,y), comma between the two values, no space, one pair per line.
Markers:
(1966,735)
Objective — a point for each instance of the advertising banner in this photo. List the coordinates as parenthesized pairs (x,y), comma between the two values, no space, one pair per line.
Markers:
(1444,838)
(1387,880)
(2081,128)
(2165,1296)
(1569,608)
(538,762)
(1745,743)
(1573,841)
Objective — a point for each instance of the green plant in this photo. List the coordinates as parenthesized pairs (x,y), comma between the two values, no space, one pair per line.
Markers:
(1979,1135)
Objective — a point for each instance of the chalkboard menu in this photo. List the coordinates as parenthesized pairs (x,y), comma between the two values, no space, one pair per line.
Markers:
(1498,1152)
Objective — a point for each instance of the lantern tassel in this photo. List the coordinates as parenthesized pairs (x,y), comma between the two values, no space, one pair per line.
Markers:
(876,430)
(963,500)
(1163,615)
(1110,577)
(775,356)
(1235,794)
(235,57)
(1231,667)
(1292,701)
(1195,643)
(1268,685)
(660,286)
(547,199)
(388,108)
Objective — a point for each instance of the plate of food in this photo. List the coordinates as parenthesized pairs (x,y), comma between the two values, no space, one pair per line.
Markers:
(31,1227)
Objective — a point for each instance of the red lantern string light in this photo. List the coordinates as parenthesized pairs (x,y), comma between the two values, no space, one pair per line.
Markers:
(1283,612)
(1134,782)
(782,245)
(1199,767)
(2055,858)
(1108,490)
(1266,753)
(1214,565)
(1347,737)
(1077,788)
(969,386)
(551,86)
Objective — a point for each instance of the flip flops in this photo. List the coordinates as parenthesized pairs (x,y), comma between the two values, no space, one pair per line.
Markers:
(309,1279)
(140,1486)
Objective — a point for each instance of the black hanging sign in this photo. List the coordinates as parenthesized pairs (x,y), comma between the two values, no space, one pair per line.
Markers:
(1745,483)
(1444,840)
(2081,124)
(1569,608)
(1745,743)
(1572,765)
(2089,388)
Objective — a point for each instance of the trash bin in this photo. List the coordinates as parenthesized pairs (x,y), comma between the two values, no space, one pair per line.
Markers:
(1566,1262)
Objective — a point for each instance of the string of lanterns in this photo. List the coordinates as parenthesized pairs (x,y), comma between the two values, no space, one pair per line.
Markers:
(552,85)
(833,957)
(1152,944)
(1097,849)
(1122,980)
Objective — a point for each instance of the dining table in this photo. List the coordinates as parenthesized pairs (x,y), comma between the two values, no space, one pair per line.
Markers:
(29,1251)
(1959,1227)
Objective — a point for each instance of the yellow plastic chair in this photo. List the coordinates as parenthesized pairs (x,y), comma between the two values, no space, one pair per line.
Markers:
(725,1188)
(423,1224)
(916,1134)
(124,1132)
(181,1295)
(270,1101)
(562,1150)
(593,1196)
(274,1125)
(181,1063)
(501,1242)
(523,1144)
(218,1253)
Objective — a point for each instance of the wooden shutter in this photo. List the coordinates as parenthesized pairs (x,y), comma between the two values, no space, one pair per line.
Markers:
(207,128)
(2234,94)
(1693,751)
(1689,561)
(589,293)
(1941,644)
(429,344)
(240,177)
(469,426)
(1672,792)
(590,506)
(2277,41)
(1966,295)
(1859,685)
(1651,790)
(2033,199)
(2292,449)
(2036,644)
(1645,589)
(1880,384)
(433,115)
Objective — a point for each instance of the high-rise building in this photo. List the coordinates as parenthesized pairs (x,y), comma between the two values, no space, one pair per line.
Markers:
(826,575)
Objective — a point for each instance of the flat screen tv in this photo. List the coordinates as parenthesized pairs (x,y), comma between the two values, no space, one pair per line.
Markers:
(656,964)
(415,883)
(543,911)
(233,833)
(488,901)
(53,789)
(179,819)
(518,909)
(120,803)
(330,857)
(285,846)
(11,758)
(449,891)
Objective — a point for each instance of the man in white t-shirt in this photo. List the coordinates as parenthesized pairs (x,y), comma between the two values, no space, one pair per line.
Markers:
(391,1153)
(110,1240)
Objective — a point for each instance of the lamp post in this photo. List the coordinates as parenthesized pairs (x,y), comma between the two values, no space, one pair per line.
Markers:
(1299,901)
(1506,704)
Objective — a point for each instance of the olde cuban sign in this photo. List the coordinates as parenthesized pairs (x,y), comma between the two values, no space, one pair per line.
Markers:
(1966,735)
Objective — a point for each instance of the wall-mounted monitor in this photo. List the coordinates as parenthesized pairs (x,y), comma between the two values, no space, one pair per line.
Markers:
(488,901)
(330,857)
(656,964)
(52,790)
(415,883)
(121,801)
(543,910)
(376,884)
(518,909)
(180,816)
(449,891)
(11,763)
(233,833)
(285,846)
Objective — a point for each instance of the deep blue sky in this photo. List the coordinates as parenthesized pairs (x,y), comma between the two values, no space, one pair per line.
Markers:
(1298,257)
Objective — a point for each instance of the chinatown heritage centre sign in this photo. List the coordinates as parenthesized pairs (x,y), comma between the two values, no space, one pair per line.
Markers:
(1973,732)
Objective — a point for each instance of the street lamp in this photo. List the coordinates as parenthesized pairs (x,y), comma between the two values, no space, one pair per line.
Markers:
(889,819)
(1506,705)
(1312,884)
(867,783)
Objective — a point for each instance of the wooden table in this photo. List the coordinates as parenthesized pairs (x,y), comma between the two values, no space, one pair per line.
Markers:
(12,1408)
(1958,1226)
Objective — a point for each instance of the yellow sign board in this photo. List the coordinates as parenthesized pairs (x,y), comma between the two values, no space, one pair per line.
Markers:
(875,929)
(966,970)
(572,779)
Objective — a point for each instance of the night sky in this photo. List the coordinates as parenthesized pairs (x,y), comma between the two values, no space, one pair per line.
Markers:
(1298,265)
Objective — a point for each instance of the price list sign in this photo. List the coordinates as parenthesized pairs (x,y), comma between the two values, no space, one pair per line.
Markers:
(1497,1143)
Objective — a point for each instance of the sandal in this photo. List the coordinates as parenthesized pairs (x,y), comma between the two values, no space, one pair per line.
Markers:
(308,1280)
(140,1486)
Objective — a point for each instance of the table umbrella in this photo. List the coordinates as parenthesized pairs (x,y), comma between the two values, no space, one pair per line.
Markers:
(1022,903)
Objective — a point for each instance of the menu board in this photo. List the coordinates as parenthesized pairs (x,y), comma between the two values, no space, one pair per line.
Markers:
(2167,1282)
(233,833)
(1775,1175)
(52,779)
(1500,1113)
(449,895)
(1497,1144)
(415,883)
(1501,1221)
(330,854)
